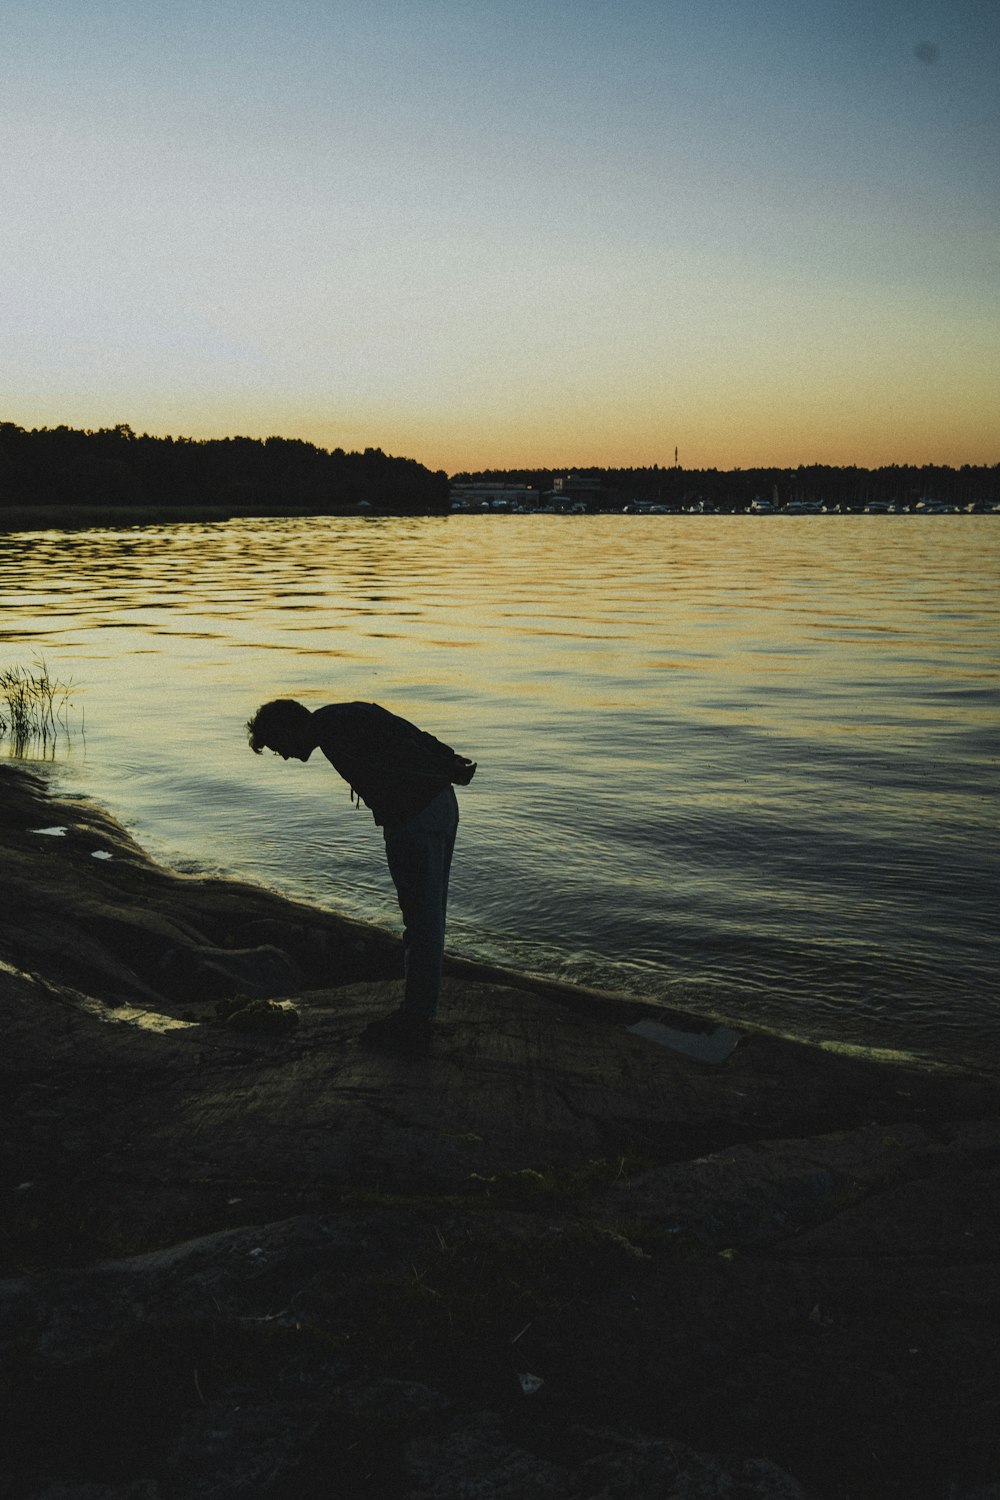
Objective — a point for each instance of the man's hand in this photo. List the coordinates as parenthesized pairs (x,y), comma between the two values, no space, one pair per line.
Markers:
(462,770)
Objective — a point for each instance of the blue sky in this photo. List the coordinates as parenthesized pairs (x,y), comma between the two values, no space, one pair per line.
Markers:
(520,233)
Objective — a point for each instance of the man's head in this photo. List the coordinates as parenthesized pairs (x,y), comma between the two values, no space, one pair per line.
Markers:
(283,726)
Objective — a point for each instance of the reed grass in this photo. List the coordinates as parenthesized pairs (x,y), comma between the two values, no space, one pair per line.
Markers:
(34,707)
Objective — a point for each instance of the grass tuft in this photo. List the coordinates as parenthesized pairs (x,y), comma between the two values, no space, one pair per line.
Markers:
(34,708)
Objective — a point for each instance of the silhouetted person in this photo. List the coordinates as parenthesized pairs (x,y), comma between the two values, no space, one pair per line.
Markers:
(405,776)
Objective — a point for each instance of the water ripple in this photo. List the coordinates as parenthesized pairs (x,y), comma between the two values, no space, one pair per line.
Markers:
(741,766)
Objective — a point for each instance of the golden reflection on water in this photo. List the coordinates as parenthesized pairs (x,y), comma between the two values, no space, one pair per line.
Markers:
(632,635)
(792,623)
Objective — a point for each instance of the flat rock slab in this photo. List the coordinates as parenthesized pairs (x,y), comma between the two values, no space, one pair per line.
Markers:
(160,1130)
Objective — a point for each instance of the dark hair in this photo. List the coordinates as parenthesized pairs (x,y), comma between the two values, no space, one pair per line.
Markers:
(271,719)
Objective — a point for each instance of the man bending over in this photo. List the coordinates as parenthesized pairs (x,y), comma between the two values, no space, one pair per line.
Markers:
(405,776)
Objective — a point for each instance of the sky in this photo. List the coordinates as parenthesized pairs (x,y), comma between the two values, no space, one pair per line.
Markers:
(508,233)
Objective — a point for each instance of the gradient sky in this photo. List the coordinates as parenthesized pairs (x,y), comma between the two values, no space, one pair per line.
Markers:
(508,232)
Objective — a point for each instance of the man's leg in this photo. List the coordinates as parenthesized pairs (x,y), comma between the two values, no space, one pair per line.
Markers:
(419,857)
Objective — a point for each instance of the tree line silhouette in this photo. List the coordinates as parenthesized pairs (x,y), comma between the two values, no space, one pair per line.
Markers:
(115,467)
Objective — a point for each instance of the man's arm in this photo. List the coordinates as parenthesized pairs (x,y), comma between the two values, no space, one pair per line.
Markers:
(424,755)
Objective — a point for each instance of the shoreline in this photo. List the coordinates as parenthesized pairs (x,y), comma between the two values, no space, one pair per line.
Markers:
(21,518)
(691,1032)
(554,1249)
(627,1003)
(15,518)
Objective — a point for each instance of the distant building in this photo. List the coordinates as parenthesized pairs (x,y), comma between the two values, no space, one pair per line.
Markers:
(493,497)
(578,487)
(576,492)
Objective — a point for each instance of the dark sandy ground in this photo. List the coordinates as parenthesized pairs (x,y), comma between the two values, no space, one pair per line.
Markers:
(244,1257)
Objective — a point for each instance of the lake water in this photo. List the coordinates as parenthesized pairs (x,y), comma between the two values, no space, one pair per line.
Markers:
(747,766)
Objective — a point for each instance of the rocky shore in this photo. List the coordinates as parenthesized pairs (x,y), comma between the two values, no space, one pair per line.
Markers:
(554,1260)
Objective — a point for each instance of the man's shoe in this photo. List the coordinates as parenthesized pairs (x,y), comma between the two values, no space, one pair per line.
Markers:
(398,1032)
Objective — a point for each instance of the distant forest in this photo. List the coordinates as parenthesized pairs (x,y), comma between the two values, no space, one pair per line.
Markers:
(114,467)
(735,489)
(58,466)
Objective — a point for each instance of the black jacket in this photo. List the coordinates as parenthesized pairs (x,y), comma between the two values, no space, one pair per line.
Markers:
(389,763)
